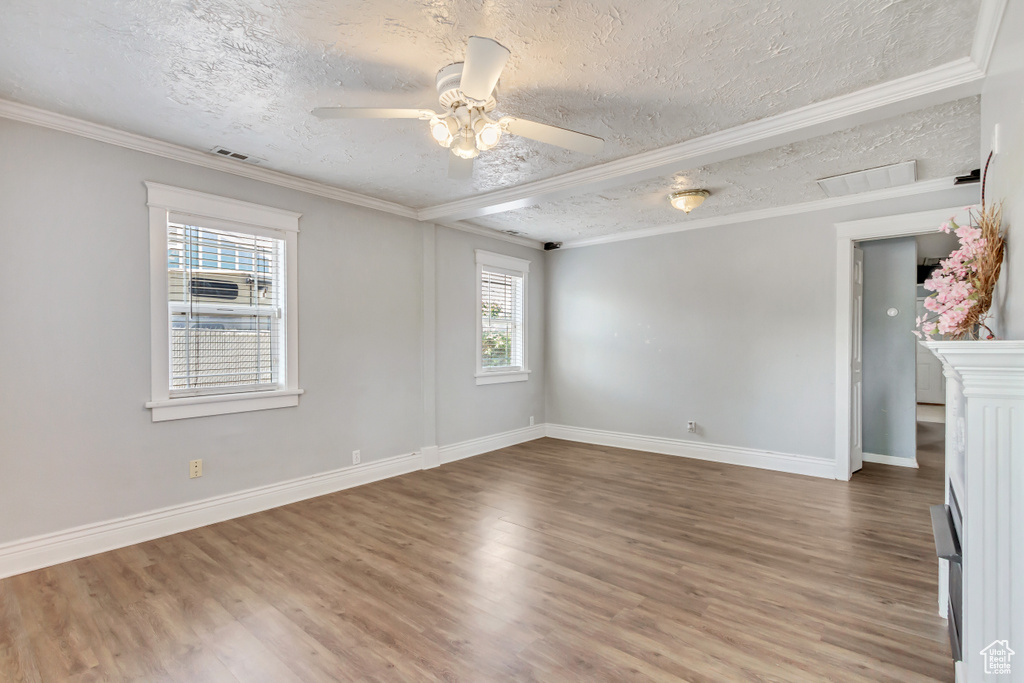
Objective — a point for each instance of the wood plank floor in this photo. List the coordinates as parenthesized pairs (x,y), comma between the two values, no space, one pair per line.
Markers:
(548,561)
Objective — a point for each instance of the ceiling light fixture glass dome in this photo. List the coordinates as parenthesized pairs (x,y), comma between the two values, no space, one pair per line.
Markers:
(443,130)
(465,147)
(488,133)
(688,200)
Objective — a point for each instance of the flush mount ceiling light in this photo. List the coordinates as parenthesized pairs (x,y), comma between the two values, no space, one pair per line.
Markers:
(466,92)
(688,200)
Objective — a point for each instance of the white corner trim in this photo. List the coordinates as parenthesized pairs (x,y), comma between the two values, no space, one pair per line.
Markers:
(493,234)
(486,444)
(94,131)
(502,377)
(431,457)
(914,189)
(990,17)
(192,202)
(890,460)
(944,83)
(732,455)
(222,404)
(49,549)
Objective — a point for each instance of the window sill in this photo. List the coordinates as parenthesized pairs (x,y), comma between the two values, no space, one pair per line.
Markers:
(502,377)
(222,404)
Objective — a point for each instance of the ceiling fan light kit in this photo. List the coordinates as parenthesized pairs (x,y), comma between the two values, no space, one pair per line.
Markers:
(466,93)
(688,200)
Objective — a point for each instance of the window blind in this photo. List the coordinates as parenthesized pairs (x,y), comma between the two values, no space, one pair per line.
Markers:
(502,317)
(225,305)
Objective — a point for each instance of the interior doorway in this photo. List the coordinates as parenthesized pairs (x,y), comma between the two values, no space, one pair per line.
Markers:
(849,396)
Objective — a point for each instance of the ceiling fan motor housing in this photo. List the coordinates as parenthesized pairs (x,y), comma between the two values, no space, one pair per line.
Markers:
(448,93)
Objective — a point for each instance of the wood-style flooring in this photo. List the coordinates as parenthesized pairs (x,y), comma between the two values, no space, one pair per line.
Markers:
(548,561)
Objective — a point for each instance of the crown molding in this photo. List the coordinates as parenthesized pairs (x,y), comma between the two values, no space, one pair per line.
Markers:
(140,143)
(951,81)
(911,190)
(990,16)
(492,233)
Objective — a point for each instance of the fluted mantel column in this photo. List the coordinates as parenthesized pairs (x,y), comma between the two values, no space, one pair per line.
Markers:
(990,376)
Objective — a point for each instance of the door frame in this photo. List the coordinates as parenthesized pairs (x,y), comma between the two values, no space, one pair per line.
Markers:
(847,234)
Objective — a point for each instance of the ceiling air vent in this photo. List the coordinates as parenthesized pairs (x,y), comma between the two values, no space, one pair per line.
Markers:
(237,156)
(871,179)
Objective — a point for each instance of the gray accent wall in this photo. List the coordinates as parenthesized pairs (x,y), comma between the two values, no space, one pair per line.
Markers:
(78,446)
(732,327)
(890,348)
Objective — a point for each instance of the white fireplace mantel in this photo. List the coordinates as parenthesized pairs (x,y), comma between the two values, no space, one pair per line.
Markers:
(985,468)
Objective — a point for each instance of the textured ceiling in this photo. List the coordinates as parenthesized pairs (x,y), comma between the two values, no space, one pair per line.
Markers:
(244,75)
(943,139)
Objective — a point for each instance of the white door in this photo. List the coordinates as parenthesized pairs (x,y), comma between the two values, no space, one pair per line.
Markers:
(857,365)
(931,383)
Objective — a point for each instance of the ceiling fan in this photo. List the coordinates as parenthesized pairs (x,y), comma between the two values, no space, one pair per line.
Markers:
(466,94)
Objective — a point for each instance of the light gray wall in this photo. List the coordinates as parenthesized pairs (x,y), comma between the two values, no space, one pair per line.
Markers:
(731,326)
(890,348)
(465,410)
(76,444)
(1002,102)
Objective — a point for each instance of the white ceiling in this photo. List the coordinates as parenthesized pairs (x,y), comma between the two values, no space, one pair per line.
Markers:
(245,74)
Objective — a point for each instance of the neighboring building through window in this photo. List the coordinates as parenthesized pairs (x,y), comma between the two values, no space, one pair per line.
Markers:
(224,303)
(224,323)
(501,311)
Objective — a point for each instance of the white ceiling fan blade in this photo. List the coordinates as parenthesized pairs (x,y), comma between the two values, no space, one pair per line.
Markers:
(553,135)
(459,168)
(370,113)
(485,58)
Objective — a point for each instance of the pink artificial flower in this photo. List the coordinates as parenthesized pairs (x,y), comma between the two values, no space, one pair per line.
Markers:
(967,234)
(944,227)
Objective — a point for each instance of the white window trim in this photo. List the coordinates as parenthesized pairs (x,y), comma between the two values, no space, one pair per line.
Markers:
(521,267)
(164,200)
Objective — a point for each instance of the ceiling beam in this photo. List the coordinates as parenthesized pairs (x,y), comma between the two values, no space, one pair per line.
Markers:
(952,81)
(965,193)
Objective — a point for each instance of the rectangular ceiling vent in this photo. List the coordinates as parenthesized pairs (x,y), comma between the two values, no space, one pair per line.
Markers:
(871,179)
(237,156)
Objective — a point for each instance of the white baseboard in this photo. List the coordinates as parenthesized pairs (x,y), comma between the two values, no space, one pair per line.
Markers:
(486,444)
(49,549)
(26,555)
(733,455)
(890,460)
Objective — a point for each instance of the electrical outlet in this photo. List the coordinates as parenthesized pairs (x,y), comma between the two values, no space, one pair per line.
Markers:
(691,427)
(195,468)
(531,420)
(355,457)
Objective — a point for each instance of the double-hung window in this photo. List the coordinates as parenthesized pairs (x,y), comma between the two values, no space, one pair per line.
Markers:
(501,318)
(223,298)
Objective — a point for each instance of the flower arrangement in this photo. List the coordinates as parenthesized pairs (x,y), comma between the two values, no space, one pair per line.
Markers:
(963,283)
